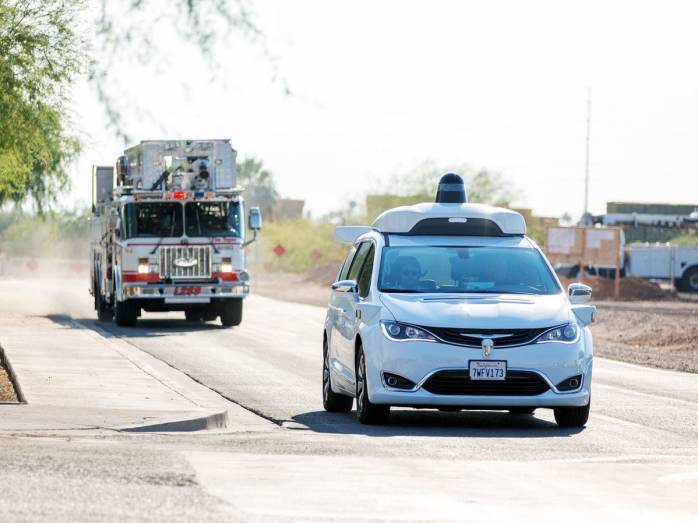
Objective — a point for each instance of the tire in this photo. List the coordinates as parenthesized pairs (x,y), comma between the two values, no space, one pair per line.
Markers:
(193,315)
(572,417)
(125,313)
(522,410)
(104,311)
(368,413)
(231,314)
(689,281)
(332,401)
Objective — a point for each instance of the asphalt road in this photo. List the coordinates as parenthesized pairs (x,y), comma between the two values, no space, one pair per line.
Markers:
(637,458)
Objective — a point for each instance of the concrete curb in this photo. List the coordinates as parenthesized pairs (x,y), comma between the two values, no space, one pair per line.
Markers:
(5,362)
(214,420)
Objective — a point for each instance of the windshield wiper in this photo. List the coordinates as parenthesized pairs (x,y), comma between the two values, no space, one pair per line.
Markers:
(493,292)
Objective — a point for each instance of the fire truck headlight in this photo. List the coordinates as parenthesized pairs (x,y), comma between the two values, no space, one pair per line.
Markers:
(227,265)
(143,266)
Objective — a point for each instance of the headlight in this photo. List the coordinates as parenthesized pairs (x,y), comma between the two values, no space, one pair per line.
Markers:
(227,265)
(568,333)
(143,266)
(402,332)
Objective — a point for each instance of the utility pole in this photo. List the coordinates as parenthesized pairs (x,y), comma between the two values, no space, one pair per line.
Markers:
(586,166)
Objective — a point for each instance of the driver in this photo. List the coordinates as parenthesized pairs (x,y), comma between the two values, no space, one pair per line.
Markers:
(406,272)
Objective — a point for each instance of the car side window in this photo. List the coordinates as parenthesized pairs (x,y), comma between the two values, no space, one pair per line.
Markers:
(347,263)
(358,261)
(364,280)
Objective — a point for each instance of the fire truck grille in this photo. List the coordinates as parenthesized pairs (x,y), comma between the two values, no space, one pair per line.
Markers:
(185,262)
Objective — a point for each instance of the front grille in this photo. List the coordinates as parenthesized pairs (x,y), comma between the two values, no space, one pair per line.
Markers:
(458,383)
(474,337)
(185,262)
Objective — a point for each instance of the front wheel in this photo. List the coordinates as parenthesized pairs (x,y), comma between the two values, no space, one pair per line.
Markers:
(231,313)
(572,417)
(332,401)
(193,315)
(104,311)
(125,313)
(367,412)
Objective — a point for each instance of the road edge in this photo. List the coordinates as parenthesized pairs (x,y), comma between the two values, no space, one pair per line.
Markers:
(5,362)
(211,421)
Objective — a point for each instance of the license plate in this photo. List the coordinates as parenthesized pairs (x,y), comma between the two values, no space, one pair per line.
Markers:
(187,291)
(488,370)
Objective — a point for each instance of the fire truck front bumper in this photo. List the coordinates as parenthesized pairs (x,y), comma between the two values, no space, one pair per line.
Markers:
(185,292)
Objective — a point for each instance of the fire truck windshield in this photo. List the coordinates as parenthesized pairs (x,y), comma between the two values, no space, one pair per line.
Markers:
(214,219)
(153,220)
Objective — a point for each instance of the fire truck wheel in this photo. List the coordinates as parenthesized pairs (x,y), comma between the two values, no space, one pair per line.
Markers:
(231,313)
(125,313)
(193,315)
(104,312)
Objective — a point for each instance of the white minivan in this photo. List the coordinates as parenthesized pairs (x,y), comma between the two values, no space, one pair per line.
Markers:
(450,306)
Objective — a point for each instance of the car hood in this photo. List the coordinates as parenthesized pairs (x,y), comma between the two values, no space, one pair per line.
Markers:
(484,311)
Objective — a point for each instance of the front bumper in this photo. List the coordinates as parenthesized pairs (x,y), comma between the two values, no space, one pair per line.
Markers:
(185,292)
(417,361)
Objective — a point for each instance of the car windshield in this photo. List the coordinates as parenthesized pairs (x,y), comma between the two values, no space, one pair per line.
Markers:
(153,220)
(465,270)
(214,219)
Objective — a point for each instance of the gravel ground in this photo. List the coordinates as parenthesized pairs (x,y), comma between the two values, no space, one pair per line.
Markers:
(7,391)
(661,334)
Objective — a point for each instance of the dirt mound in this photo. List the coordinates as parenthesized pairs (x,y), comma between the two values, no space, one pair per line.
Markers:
(630,288)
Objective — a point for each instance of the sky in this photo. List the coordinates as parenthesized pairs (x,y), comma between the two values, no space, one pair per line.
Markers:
(379,87)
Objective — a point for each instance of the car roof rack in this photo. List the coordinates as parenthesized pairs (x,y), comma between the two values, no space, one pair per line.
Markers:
(444,219)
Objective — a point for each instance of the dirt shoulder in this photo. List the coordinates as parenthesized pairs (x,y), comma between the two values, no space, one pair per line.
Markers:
(7,390)
(663,334)
(658,333)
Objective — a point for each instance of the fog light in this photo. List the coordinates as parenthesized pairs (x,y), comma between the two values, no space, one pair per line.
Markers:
(396,381)
(572,383)
(132,291)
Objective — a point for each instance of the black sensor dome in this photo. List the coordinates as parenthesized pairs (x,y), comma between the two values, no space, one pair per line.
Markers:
(451,189)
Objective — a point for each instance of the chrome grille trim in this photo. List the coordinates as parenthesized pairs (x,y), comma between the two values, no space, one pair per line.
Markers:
(200,254)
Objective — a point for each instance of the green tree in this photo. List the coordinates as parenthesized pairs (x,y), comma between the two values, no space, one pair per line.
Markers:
(259,184)
(40,55)
(482,185)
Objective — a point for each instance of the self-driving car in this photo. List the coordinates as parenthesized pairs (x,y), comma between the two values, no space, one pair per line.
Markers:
(450,306)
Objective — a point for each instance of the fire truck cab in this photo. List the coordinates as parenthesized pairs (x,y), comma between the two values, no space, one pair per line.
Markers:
(168,233)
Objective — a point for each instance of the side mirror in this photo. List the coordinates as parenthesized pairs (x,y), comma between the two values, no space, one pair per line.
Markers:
(255,220)
(579,293)
(346,286)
